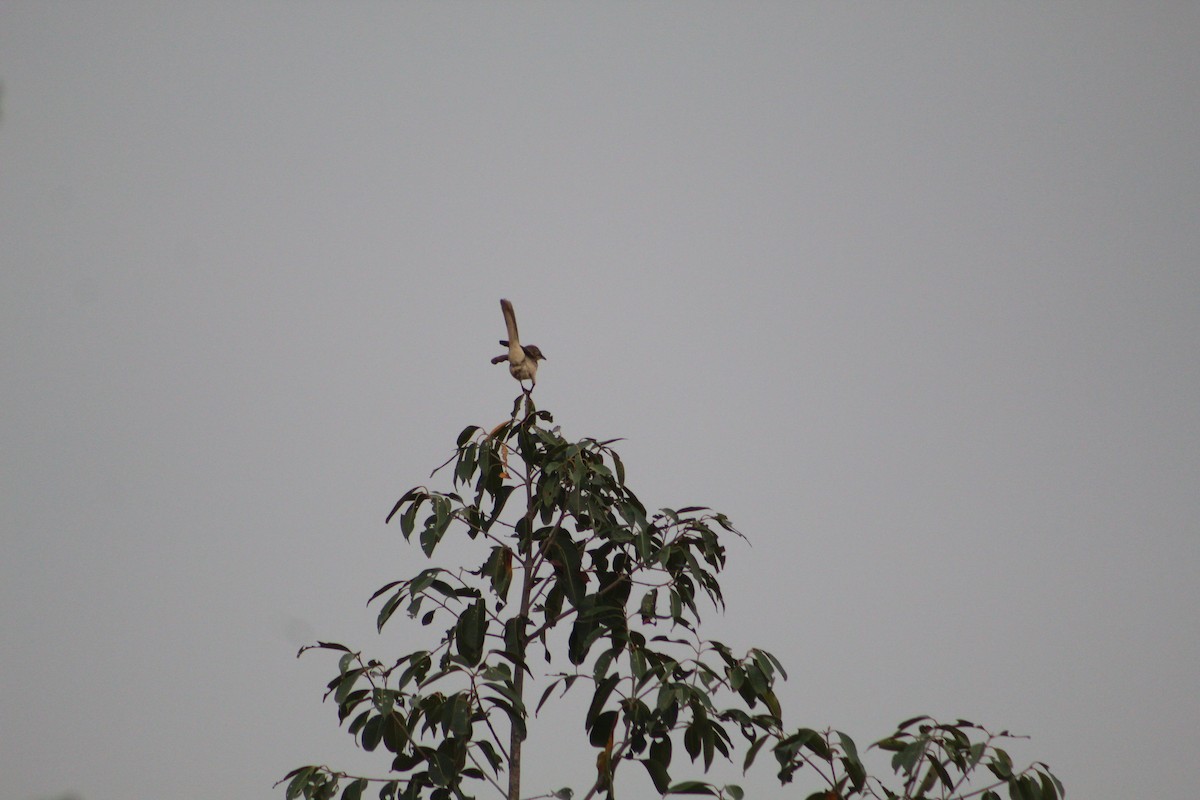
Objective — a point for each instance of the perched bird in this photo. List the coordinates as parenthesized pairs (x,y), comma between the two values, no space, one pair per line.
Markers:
(522,359)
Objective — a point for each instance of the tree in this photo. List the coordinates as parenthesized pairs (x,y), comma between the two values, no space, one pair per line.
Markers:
(582,587)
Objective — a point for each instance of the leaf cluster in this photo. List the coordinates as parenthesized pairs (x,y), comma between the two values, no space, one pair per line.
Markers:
(932,761)
(583,556)
(577,587)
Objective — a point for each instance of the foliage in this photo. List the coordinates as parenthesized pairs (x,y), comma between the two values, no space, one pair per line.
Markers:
(582,555)
(937,761)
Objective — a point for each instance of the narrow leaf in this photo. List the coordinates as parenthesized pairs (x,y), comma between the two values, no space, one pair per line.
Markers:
(354,789)
(658,775)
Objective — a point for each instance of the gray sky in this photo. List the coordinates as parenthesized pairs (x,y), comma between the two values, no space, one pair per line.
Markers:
(910,291)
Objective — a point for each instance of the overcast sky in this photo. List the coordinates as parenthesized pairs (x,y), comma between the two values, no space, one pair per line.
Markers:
(909,290)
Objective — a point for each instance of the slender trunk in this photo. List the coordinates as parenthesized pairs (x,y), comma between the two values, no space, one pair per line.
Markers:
(514,738)
(529,563)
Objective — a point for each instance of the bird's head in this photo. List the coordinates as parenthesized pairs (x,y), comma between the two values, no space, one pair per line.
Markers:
(532,351)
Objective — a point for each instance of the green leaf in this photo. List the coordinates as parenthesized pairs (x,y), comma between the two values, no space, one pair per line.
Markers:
(638,666)
(599,698)
(372,733)
(692,740)
(408,520)
(584,633)
(384,700)
(600,670)
(514,633)
(489,752)
(892,744)
(346,684)
(508,693)
(418,668)
(410,493)
(354,789)
(692,787)
(441,509)
(1057,784)
(800,738)
(708,742)
(906,760)
(322,646)
(470,633)
(395,734)
(765,662)
(497,672)
(554,602)
(676,607)
(752,753)
(940,770)
(658,775)
(602,728)
(459,720)
(298,783)
(568,571)
(466,464)
(1000,764)
(389,608)
(855,770)
(757,680)
(515,718)
(502,572)
(358,723)
(467,434)
(848,746)
(545,696)
(660,751)
(1023,788)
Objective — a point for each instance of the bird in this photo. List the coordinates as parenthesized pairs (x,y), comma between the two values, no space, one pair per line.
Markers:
(522,359)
